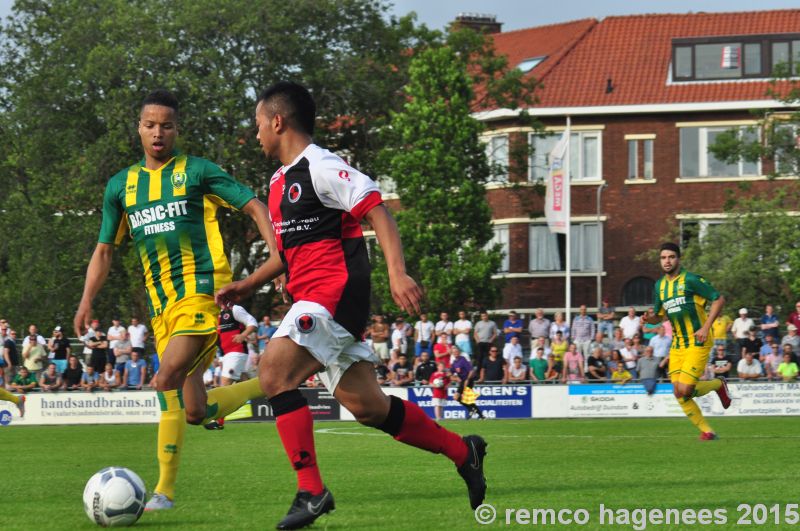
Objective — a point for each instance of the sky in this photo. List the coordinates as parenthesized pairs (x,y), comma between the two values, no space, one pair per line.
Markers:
(517,14)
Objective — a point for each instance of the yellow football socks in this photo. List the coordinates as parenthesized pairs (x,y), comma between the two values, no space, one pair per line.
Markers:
(223,401)
(171,429)
(10,397)
(692,410)
(705,387)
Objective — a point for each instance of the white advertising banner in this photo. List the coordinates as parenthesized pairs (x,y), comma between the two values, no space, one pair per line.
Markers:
(119,407)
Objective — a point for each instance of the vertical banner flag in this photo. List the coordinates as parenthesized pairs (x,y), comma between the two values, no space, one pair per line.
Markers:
(556,200)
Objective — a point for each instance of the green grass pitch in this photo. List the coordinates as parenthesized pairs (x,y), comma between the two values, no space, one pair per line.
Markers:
(240,478)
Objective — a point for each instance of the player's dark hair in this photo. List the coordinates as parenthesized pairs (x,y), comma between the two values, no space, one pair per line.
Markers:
(161,97)
(292,101)
(669,246)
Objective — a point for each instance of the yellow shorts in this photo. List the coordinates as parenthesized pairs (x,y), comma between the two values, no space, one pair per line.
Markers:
(195,315)
(687,365)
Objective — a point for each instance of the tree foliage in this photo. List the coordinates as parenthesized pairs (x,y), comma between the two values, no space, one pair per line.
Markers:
(72,75)
(435,156)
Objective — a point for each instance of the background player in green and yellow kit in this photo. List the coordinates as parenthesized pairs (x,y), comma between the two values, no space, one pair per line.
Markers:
(168,204)
(681,297)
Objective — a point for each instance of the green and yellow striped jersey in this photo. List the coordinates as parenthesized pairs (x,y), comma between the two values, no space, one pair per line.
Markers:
(683,301)
(171,215)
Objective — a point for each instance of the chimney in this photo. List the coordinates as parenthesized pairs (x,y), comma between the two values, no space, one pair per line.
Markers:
(480,22)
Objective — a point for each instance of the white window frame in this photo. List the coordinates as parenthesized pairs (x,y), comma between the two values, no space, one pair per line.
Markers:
(576,170)
(502,235)
(578,259)
(703,153)
(492,158)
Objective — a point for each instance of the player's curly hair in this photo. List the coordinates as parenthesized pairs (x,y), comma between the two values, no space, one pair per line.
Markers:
(293,101)
(161,97)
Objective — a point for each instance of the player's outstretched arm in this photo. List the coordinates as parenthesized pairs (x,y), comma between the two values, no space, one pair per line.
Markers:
(235,292)
(96,275)
(405,291)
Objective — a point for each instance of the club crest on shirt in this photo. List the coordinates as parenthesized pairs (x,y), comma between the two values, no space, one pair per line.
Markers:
(305,323)
(294,193)
(178,179)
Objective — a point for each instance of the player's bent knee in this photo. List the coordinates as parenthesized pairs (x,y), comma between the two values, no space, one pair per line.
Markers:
(194,418)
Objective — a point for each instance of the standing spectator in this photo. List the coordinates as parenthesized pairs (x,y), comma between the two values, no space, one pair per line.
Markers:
(60,349)
(122,351)
(719,330)
(493,369)
(583,330)
(33,335)
(134,375)
(559,347)
(460,367)
(485,336)
(573,365)
(541,343)
(749,368)
(423,335)
(23,382)
(722,363)
(539,326)
(751,344)
(110,379)
(10,355)
(538,365)
(114,334)
(648,370)
(512,350)
(517,372)
(266,330)
(379,332)
(72,374)
(770,324)
(617,341)
(399,336)
(90,381)
(138,334)
(741,326)
(660,343)
(462,329)
(93,330)
(559,325)
(441,350)
(512,327)
(426,367)
(440,380)
(788,369)
(444,326)
(99,345)
(630,324)
(596,365)
(50,380)
(791,338)
(794,317)
(33,356)
(605,319)
(402,372)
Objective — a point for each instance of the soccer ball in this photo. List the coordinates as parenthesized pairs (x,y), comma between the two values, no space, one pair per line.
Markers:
(438,382)
(114,497)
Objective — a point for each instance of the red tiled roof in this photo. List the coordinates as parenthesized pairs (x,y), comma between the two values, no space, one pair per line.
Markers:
(635,53)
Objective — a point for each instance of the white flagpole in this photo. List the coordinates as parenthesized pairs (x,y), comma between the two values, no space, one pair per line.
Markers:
(568,209)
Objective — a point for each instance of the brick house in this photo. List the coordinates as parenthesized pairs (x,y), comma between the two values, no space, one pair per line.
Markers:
(645,94)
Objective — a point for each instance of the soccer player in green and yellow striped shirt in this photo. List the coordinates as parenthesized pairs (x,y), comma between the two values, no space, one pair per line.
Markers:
(681,297)
(168,204)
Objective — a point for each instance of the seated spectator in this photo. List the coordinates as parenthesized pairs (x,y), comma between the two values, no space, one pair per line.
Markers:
(90,381)
(722,362)
(573,365)
(50,380)
(708,373)
(541,343)
(402,372)
(614,361)
(517,372)
(425,367)
(599,341)
(788,369)
(648,369)
(791,338)
(621,375)
(751,344)
(552,374)
(630,356)
(110,379)
(394,357)
(748,367)
(122,351)
(441,350)
(23,382)
(382,373)
(493,369)
(787,349)
(538,365)
(134,375)
(399,335)
(511,350)
(440,380)
(559,347)
(771,360)
(71,377)
(596,366)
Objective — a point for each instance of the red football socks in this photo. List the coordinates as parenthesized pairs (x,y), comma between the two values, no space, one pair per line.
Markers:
(297,435)
(419,430)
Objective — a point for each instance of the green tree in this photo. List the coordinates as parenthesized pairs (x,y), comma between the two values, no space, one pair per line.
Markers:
(439,164)
(72,74)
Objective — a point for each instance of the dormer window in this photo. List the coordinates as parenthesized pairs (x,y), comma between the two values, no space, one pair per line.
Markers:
(529,64)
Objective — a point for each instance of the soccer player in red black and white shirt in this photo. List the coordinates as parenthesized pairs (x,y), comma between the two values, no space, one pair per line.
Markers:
(316,204)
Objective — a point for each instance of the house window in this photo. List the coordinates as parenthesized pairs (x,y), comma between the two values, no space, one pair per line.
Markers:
(638,291)
(786,140)
(585,162)
(698,161)
(698,228)
(529,64)
(547,250)
(501,237)
(734,57)
(497,157)
(640,158)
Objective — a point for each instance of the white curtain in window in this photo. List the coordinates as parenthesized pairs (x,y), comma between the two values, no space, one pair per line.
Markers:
(544,254)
